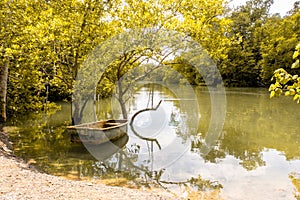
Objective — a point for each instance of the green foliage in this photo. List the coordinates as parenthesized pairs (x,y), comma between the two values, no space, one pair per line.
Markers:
(242,67)
(285,81)
(296,57)
(123,68)
(44,43)
(187,71)
(278,46)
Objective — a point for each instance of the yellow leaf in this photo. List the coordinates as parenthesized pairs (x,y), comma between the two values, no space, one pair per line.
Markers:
(295,77)
(296,54)
(272,87)
(287,93)
(292,91)
(272,94)
(295,64)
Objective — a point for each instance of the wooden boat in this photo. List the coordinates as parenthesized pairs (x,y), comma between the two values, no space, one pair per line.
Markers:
(98,132)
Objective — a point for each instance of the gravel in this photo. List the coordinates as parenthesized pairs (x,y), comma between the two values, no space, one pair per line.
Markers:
(19,180)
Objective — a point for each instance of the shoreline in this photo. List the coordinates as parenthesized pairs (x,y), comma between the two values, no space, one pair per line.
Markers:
(20,180)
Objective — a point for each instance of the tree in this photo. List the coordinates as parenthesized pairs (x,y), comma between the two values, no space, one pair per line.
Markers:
(44,43)
(3,91)
(202,20)
(242,66)
(281,35)
(115,75)
(166,15)
(76,28)
(4,64)
(25,84)
(286,81)
(7,49)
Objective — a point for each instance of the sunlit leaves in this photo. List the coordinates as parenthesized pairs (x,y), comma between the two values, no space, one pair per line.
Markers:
(296,54)
(203,20)
(281,36)
(45,43)
(275,89)
(296,57)
(295,64)
(284,80)
(243,65)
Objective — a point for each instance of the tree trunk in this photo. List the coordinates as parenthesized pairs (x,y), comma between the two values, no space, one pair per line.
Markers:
(3,92)
(121,101)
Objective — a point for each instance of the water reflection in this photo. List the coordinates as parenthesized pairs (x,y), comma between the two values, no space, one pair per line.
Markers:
(257,155)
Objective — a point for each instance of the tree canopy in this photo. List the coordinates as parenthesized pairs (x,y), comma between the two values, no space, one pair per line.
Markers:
(44,43)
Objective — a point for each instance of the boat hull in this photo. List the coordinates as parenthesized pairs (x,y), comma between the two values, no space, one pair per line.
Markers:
(98,132)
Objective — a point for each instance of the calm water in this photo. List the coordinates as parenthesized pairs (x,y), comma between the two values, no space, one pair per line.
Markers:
(256,156)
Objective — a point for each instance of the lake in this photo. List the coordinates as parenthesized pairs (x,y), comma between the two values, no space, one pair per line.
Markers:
(255,155)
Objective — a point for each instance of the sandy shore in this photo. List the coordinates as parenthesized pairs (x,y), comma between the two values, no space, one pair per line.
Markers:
(19,180)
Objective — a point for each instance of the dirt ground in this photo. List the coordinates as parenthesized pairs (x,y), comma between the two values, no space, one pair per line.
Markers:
(19,180)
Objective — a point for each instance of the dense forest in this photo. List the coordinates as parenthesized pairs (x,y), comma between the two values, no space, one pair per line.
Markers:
(43,44)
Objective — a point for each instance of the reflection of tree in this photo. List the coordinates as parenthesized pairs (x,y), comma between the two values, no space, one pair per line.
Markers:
(295,177)
(235,144)
(148,176)
(241,145)
(212,156)
(40,140)
(47,146)
(142,175)
(250,127)
(197,183)
(182,130)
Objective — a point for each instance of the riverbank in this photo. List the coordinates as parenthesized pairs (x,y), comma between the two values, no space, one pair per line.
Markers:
(19,180)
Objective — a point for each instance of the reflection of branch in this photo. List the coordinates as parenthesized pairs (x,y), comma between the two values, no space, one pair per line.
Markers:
(140,136)
(129,161)
(175,183)
(156,176)
(160,172)
(146,171)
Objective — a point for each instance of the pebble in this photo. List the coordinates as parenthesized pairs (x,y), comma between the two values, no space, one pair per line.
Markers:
(18,181)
